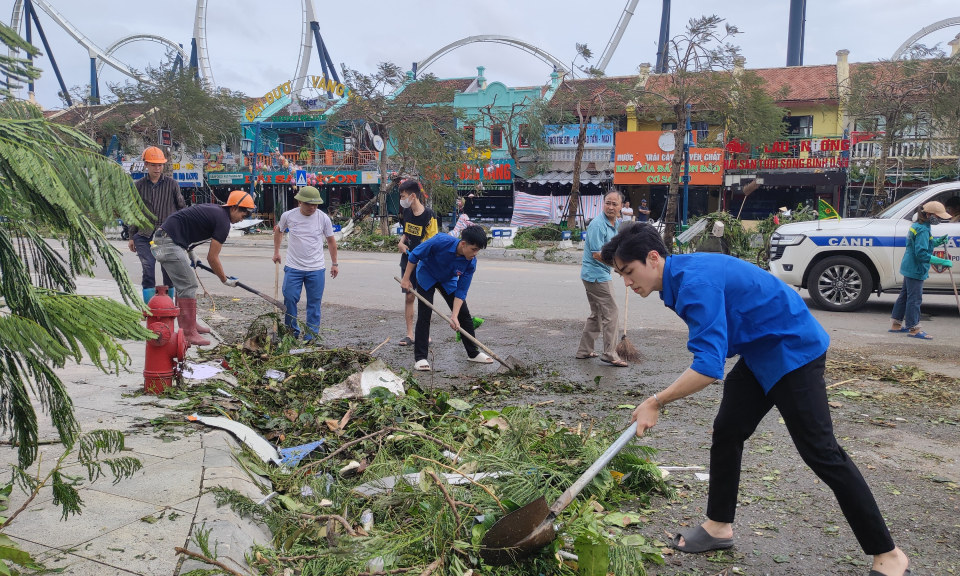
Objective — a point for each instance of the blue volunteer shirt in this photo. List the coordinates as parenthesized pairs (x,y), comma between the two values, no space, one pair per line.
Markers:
(732,307)
(438,263)
(599,232)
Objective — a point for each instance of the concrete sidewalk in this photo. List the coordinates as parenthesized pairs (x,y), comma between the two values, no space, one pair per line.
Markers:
(132,527)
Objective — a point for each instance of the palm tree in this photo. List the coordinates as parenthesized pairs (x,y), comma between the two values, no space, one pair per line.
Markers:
(54,183)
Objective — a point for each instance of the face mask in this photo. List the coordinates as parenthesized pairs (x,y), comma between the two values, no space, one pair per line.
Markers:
(405,203)
(934,220)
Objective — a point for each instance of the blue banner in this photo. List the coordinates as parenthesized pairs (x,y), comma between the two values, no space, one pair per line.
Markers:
(565,136)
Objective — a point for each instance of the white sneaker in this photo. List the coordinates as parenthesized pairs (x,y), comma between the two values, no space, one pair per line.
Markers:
(422,366)
(481,358)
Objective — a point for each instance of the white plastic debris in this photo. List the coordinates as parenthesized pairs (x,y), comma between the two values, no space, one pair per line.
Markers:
(352,465)
(701,476)
(256,442)
(390,482)
(360,384)
(452,456)
(274,374)
(306,491)
(193,371)
(366,520)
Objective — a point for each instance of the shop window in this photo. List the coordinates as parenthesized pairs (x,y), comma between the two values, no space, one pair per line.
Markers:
(668,126)
(496,137)
(522,142)
(469,134)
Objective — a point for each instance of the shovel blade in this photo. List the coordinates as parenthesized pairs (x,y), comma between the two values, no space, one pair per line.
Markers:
(518,534)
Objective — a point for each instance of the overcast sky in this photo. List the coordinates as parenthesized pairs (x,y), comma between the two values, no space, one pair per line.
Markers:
(254,45)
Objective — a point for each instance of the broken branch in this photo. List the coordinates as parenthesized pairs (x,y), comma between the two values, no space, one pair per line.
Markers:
(471,480)
(450,501)
(211,561)
(343,521)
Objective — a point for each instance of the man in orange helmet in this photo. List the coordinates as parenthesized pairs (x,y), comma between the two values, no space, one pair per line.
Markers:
(173,246)
(161,194)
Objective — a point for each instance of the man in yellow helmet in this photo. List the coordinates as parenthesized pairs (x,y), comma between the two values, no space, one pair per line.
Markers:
(173,246)
(161,194)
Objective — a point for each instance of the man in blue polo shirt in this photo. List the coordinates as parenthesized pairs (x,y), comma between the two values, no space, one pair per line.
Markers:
(734,308)
(446,264)
(604,315)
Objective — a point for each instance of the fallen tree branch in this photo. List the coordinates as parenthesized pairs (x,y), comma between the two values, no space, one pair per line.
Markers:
(471,480)
(450,501)
(378,347)
(432,567)
(436,441)
(343,521)
(840,383)
(210,561)
(394,571)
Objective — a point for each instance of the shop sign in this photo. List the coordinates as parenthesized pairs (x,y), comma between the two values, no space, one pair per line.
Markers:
(567,135)
(369,177)
(225,178)
(319,82)
(644,158)
(497,172)
(300,118)
(828,151)
(786,163)
(189,177)
(344,177)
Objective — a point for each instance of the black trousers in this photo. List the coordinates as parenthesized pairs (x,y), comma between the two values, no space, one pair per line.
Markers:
(424,313)
(801,397)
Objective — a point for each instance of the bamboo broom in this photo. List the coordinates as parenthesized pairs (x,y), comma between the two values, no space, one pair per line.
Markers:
(625,348)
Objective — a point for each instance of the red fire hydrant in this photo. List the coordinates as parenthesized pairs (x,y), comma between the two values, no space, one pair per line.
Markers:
(169,348)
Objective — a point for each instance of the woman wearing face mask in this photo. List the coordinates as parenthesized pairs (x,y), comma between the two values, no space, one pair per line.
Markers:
(419,224)
(915,268)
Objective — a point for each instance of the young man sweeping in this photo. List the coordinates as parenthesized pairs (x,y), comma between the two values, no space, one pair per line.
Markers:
(445,264)
(419,224)
(734,308)
(306,227)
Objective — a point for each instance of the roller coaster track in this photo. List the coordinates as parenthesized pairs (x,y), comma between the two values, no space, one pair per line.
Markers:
(140,38)
(494,39)
(945,23)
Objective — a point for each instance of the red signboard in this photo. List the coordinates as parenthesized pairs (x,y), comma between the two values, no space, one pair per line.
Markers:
(644,157)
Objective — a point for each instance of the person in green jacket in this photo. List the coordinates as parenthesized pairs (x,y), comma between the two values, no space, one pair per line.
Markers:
(915,268)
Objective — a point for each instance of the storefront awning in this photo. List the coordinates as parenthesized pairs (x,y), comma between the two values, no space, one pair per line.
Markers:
(557,177)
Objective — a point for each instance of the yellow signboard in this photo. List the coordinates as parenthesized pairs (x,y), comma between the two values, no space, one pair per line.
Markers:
(319,82)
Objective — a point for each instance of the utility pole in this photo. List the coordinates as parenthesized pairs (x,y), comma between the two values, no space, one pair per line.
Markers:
(687,139)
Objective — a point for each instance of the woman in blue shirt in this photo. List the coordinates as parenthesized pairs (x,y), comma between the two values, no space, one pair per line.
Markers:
(734,308)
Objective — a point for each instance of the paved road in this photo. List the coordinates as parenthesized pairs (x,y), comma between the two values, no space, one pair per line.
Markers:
(530,289)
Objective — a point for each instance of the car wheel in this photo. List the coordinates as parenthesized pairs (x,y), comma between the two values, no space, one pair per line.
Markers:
(840,284)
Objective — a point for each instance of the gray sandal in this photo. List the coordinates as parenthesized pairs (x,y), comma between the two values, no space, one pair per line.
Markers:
(698,540)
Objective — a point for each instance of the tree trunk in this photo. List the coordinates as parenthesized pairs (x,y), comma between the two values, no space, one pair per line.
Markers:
(574,202)
(670,213)
(382,195)
(880,181)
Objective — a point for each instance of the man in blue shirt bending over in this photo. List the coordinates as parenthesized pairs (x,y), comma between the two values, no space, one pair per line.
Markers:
(446,264)
(734,308)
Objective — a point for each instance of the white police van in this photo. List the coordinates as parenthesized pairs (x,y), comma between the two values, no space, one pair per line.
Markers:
(842,262)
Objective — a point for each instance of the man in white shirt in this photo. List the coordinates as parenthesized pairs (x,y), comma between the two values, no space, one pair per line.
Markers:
(307,226)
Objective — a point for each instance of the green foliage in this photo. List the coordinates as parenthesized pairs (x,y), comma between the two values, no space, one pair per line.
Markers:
(16,70)
(195,114)
(52,178)
(529,238)
(414,523)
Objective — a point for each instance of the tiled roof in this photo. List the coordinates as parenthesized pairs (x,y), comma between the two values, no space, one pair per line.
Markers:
(608,87)
(801,83)
(436,92)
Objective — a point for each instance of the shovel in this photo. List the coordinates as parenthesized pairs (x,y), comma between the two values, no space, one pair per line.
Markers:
(510,363)
(526,530)
(276,303)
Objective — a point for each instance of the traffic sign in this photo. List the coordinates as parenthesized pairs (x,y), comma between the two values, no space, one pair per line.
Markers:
(301,178)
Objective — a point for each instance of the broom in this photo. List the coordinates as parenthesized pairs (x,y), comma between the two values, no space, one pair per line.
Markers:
(625,348)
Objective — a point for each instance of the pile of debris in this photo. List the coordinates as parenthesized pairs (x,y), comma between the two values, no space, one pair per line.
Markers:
(373,474)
